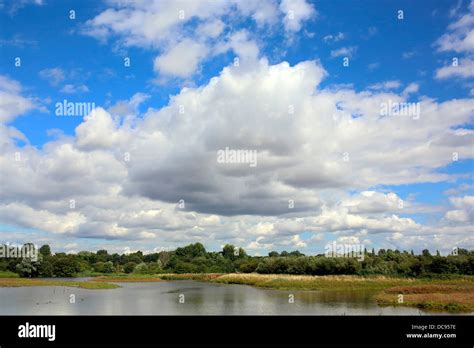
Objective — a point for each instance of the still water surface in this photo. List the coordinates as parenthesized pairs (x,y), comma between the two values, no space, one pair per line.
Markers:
(162,298)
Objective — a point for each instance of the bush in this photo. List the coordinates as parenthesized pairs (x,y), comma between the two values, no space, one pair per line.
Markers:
(141,268)
(185,267)
(129,267)
(248,265)
(46,269)
(108,267)
(155,267)
(27,268)
(273,265)
(65,266)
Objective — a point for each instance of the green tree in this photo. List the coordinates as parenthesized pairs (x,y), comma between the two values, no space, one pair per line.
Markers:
(45,250)
(129,267)
(248,265)
(45,269)
(65,266)
(141,268)
(242,253)
(229,252)
(27,268)
(191,250)
(164,257)
(155,267)
(426,253)
(108,267)
(185,267)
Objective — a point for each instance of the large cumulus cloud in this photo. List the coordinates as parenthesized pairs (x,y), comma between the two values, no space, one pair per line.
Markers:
(127,175)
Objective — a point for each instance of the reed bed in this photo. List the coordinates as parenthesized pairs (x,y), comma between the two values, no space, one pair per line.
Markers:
(446,297)
(305,282)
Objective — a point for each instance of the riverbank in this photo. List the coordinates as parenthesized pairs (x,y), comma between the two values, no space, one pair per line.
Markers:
(455,295)
(18,282)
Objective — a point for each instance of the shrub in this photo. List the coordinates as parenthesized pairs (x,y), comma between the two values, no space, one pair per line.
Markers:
(141,268)
(129,267)
(46,269)
(65,266)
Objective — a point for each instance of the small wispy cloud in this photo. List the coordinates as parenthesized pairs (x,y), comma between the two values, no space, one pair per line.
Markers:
(53,75)
(409,54)
(371,31)
(334,38)
(18,41)
(15,6)
(71,89)
(386,85)
(344,52)
(410,89)
(373,66)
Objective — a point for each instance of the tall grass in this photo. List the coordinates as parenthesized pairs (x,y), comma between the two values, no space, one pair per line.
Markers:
(302,282)
(446,297)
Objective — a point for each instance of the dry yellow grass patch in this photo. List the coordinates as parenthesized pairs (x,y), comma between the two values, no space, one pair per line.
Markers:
(450,297)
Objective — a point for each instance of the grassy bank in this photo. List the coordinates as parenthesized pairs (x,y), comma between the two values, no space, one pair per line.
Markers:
(17,282)
(8,274)
(205,277)
(136,278)
(122,278)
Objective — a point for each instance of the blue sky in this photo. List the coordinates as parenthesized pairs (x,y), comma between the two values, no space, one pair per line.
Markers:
(174,61)
(45,37)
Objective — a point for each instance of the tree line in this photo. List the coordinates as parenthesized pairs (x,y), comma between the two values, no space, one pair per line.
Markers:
(194,258)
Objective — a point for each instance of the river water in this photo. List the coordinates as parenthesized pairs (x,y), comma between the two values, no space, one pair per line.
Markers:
(188,298)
